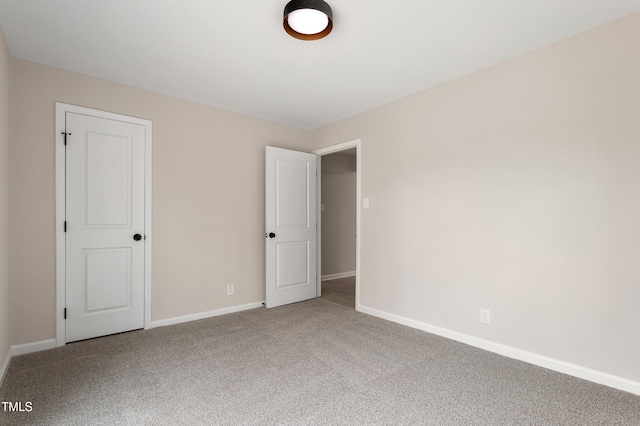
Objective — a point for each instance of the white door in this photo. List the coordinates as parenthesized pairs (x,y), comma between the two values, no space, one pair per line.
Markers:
(105,241)
(290,233)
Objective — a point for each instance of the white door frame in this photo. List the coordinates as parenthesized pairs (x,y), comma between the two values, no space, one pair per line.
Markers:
(61,110)
(326,151)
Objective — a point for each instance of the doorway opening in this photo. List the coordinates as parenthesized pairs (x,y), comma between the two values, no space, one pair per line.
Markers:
(339,223)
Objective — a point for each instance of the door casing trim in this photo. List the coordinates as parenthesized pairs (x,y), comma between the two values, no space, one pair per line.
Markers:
(60,127)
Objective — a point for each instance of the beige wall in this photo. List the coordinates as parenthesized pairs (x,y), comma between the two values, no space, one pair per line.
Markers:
(339,215)
(208,196)
(5,120)
(517,189)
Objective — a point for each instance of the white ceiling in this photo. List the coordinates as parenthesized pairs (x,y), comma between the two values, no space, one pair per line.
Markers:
(235,54)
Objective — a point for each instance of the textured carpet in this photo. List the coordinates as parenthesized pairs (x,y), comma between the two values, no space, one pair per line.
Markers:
(311,363)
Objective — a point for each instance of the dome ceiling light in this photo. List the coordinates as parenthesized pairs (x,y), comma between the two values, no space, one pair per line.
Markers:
(308,19)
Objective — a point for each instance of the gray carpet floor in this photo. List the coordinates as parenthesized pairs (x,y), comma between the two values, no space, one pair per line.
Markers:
(310,363)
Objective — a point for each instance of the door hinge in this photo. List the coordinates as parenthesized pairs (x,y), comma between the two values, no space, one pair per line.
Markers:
(65,226)
(65,313)
(65,136)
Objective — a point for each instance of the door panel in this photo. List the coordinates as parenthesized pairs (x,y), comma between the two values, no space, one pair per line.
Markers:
(104,209)
(292,193)
(106,280)
(292,263)
(108,180)
(290,214)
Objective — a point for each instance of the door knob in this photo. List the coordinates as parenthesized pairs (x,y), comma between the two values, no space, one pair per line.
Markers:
(137,237)
(270,235)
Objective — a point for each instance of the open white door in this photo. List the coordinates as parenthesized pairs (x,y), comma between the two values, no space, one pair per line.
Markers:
(290,232)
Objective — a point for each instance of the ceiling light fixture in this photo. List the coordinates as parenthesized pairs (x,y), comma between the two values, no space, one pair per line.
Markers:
(308,19)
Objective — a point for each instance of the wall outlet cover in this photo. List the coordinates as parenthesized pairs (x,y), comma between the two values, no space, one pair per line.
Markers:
(485,316)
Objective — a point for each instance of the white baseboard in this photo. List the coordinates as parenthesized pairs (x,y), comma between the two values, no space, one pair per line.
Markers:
(27,348)
(43,345)
(203,315)
(511,352)
(4,366)
(339,275)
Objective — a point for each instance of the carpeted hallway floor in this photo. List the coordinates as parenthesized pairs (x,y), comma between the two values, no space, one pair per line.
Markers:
(341,291)
(310,363)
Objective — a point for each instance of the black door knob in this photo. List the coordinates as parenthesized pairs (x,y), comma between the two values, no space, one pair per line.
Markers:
(137,237)
(271,235)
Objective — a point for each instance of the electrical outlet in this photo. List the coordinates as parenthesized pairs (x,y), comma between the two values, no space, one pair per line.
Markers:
(485,316)
(230,289)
